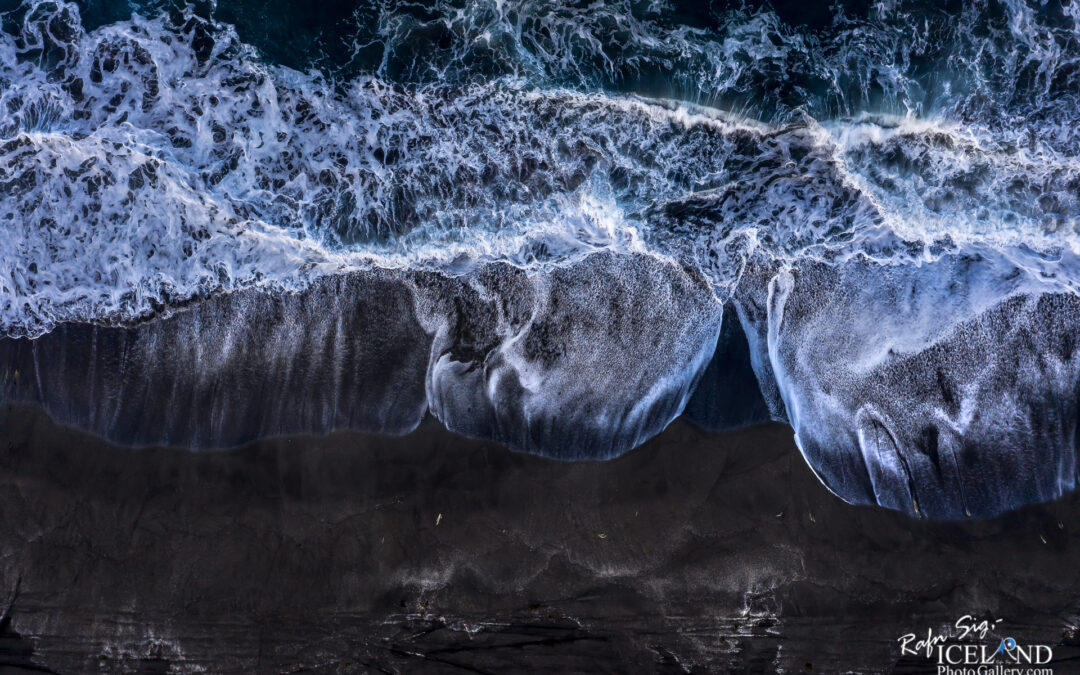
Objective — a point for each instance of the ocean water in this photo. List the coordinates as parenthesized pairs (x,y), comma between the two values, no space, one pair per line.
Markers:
(875,206)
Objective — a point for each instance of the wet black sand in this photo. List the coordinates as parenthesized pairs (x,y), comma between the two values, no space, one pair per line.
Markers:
(431,552)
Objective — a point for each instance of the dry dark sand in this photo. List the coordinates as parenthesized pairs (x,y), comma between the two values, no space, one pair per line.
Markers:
(431,552)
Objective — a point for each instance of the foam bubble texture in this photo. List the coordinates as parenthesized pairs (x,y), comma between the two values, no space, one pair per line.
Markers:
(540,214)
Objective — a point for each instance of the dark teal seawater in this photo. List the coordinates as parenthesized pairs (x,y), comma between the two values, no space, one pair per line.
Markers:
(830,59)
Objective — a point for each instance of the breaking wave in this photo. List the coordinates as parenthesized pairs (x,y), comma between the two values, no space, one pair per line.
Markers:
(558,225)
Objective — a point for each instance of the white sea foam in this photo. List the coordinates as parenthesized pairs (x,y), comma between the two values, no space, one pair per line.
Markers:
(889,207)
(150,161)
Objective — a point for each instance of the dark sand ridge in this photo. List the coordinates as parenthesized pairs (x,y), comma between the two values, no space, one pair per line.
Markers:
(354,553)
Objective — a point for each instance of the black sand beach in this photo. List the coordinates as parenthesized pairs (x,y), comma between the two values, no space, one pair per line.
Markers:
(268,269)
(435,553)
